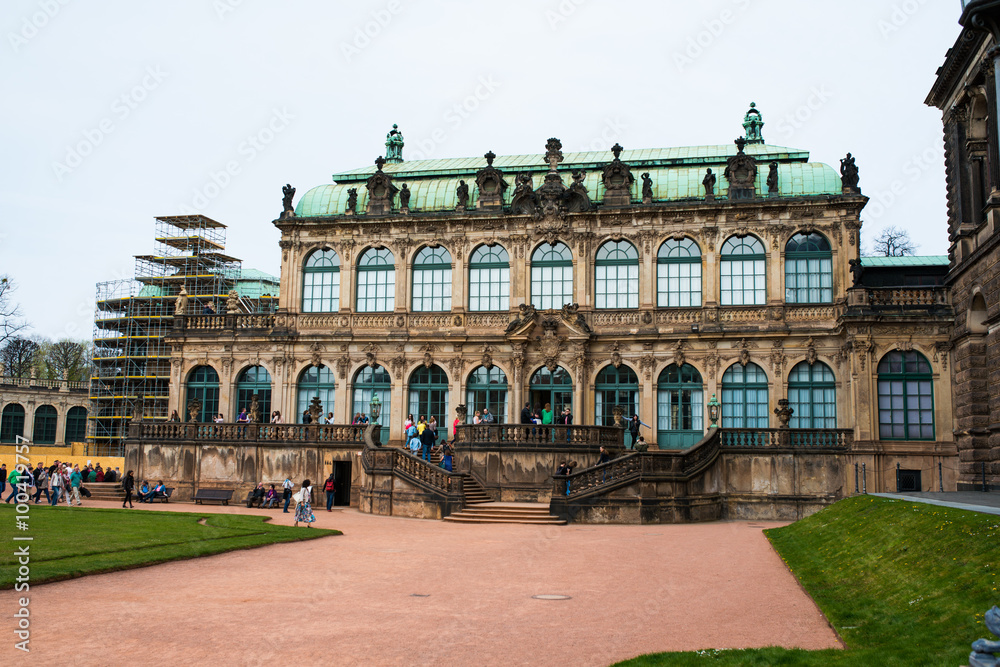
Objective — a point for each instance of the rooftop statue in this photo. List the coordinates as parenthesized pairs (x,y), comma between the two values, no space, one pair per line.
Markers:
(772,179)
(753,124)
(394,145)
(463,196)
(287,210)
(404,197)
(849,173)
(647,188)
(352,200)
(709,183)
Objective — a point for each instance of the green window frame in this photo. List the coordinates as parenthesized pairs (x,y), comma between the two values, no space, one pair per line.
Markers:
(678,274)
(808,269)
(44,430)
(428,395)
(489,279)
(76,424)
(487,388)
(552,387)
(315,381)
(812,395)
(321,282)
(203,384)
(905,397)
(11,422)
(551,276)
(369,381)
(742,272)
(680,407)
(616,275)
(615,386)
(432,280)
(254,380)
(744,397)
(376,292)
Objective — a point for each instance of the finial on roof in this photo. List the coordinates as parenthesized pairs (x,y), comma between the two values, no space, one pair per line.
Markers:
(753,124)
(740,143)
(380,162)
(553,153)
(489,158)
(394,145)
(617,150)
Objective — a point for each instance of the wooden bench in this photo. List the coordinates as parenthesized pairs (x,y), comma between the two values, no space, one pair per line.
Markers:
(222,495)
(249,502)
(169,490)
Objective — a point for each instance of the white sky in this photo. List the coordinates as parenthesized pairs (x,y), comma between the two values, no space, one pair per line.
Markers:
(201,76)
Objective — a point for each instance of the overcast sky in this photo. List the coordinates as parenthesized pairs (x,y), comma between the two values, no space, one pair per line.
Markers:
(118,111)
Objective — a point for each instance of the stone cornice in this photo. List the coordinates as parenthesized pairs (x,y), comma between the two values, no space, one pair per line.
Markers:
(957,60)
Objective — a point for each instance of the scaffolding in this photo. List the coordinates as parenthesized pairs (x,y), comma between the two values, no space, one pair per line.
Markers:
(131,359)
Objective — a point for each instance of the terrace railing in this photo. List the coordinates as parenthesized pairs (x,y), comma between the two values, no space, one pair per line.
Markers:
(551,436)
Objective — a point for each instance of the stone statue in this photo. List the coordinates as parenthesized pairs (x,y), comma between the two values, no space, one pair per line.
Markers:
(254,410)
(576,197)
(772,179)
(647,188)
(986,652)
(180,305)
(233,303)
(527,313)
(752,124)
(709,183)
(849,172)
(394,145)
(404,198)
(463,196)
(857,270)
(286,202)
(352,200)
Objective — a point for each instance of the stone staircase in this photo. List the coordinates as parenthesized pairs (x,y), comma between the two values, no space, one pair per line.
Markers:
(105,491)
(475,494)
(491,512)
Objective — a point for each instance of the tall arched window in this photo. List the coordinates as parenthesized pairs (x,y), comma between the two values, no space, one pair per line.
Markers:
(11,423)
(429,394)
(808,269)
(203,384)
(812,395)
(376,281)
(44,431)
(321,282)
(432,280)
(489,279)
(255,380)
(742,272)
(680,407)
(487,388)
(76,424)
(552,387)
(315,381)
(617,275)
(615,386)
(368,382)
(678,274)
(551,276)
(905,397)
(744,397)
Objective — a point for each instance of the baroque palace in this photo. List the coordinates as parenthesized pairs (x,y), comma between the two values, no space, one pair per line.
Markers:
(687,285)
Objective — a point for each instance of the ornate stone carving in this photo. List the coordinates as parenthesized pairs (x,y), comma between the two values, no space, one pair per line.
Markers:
(233,303)
(647,362)
(371,351)
(487,357)
(679,357)
(180,305)
(572,316)
(741,172)
(194,409)
(709,184)
(618,179)
(524,200)
(462,195)
(456,365)
(428,351)
(777,357)
(811,355)
(576,196)
(852,227)
(941,352)
(404,199)
(491,185)
(527,314)
(317,354)
(381,191)
(398,362)
(744,350)
(343,365)
(647,188)
(862,348)
(517,360)
(550,344)
(352,201)
(287,210)
(616,357)
(772,179)
(712,363)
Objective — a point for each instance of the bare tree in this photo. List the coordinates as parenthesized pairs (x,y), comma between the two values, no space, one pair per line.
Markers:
(893,242)
(11,322)
(19,356)
(67,356)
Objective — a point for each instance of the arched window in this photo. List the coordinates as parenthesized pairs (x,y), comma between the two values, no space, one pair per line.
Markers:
(744,397)
(615,386)
(617,275)
(487,388)
(376,281)
(905,397)
(432,280)
(812,395)
(76,424)
(551,276)
(44,431)
(742,272)
(429,395)
(680,407)
(489,279)
(321,282)
(315,381)
(552,387)
(808,269)
(373,381)
(678,274)
(203,385)
(255,380)
(11,423)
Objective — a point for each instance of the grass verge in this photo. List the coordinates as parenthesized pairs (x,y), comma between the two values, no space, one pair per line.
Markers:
(903,583)
(70,543)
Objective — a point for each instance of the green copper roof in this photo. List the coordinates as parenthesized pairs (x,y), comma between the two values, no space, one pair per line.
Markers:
(918,260)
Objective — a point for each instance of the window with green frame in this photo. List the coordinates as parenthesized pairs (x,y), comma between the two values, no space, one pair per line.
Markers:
(615,386)
(616,275)
(254,380)
(808,269)
(744,397)
(742,272)
(375,381)
(321,282)
(76,424)
(11,422)
(376,281)
(489,278)
(678,274)
(487,388)
(552,387)
(905,397)
(680,407)
(44,431)
(315,381)
(551,276)
(203,385)
(428,394)
(432,280)
(812,395)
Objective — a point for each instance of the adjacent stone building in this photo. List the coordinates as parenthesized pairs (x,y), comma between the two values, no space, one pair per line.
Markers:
(44,412)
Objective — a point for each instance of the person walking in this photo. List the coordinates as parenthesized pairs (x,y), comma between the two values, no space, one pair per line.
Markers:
(42,484)
(427,438)
(286,492)
(446,456)
(55,485)
(75,479)
(128,484)
(329,487)
(3,478)
(303,507)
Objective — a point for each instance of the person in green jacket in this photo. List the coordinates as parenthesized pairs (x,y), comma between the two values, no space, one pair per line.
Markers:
(14,478)
(75,479)
(547,414)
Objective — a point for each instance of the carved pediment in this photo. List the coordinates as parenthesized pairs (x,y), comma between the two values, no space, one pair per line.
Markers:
(618,179)
(741,172)
(491,185)
(381,191)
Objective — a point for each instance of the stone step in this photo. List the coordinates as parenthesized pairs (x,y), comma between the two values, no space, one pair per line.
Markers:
(552,521)
(530,513)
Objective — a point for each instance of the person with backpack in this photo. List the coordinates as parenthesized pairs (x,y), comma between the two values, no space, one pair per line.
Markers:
(330,488)
(446,455)
(427,437)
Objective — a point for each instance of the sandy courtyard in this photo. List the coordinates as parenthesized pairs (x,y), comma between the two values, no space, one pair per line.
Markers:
(396,591)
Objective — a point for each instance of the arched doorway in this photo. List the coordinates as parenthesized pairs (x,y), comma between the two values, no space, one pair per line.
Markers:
(255,380)
(203,384)
(315,381)
(552,387)
(368,382)
(487,388)
(428,396)
(680,407)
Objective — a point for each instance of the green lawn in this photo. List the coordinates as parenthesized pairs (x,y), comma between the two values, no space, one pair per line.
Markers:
(902,583)
(73,542)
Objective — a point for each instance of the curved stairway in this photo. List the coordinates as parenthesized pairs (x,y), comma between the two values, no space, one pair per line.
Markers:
(490,512)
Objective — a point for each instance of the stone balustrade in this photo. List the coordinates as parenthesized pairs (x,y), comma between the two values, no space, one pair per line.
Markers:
(546,437)
(207,432)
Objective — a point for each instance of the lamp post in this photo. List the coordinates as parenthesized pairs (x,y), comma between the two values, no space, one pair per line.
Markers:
(713,412)
(376,407)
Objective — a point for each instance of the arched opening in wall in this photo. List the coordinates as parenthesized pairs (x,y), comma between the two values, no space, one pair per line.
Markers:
(11,423)
(371,381)
(76,424)
(44,431)
(976,321)
(486,393)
